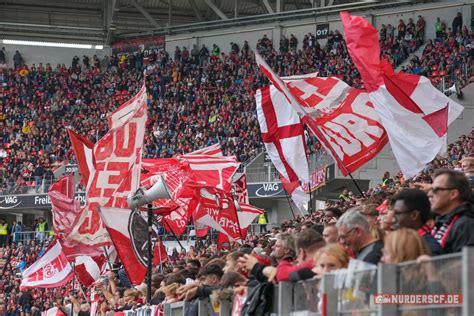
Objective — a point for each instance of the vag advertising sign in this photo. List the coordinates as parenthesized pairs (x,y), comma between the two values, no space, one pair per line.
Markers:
(33,201)
(266,190)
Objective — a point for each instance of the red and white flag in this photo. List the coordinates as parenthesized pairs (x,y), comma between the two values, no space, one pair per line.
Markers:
(117,155)
(341,117)
(213,171)
(216,209)
(83,151)
(213,150)
(240,189)
(129,231)
(49,271)
(283,135)
(415,114)
(116,175)
(88,270)
(70,220)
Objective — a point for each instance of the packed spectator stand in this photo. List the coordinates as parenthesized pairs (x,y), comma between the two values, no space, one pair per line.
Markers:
(197,98)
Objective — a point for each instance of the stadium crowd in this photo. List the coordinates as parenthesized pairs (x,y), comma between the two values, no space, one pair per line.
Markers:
(196,97)
(398,220)
(200,97)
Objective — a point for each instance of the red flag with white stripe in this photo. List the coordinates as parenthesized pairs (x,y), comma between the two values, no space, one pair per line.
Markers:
(83,148)
(414,113)
(128,231)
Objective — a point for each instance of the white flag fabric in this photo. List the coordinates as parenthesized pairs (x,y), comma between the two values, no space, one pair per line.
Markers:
(51,270)
(415,114)
(283,134)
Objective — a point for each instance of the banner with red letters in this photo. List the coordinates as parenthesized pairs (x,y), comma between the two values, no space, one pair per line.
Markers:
(51,270)
(317,179)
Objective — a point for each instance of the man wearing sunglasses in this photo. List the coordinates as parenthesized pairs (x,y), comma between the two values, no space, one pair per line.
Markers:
(450,199)
(412,210)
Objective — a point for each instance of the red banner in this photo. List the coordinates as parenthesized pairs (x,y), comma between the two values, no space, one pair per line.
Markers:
(317,179)
(139,43)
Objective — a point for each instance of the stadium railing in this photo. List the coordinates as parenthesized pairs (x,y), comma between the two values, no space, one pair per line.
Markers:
(27,236)
(368,290)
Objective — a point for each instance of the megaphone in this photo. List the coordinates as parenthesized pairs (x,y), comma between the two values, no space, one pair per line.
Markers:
(454,89)
(159,191)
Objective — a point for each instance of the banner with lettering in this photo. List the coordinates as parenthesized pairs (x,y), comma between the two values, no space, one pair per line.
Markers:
(51,270)
(317,179)
(343,118)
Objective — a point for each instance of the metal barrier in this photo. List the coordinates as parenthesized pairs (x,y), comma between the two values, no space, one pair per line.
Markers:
(355,291)
(27,236)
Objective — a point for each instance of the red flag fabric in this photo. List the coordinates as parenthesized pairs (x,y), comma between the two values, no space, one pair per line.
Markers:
(213,150)
(353,132)
(49,271)
(70,221)
(116,176)
(128,231)
(83,151)
(216,209)
(160,255)
(87,270)
(283,134)
(240,188)
(207,170)
(223,241)
(201,229)
(413,112)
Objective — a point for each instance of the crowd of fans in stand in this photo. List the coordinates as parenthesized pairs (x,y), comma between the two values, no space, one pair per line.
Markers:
(397,221)
(196,97)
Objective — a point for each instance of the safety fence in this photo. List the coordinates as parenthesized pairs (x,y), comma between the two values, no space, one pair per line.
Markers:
(29,236)
(442,285)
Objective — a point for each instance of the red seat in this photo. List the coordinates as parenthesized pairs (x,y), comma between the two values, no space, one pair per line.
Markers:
(435,73)
(442,73)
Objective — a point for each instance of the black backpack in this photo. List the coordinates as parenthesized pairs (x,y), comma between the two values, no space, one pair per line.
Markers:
(259,300)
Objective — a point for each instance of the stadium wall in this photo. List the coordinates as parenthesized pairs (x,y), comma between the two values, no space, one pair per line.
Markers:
(445,10)
(53,55)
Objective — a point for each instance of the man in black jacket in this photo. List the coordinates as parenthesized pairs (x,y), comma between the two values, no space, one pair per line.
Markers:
(412,210)
(449,197)
(353,232)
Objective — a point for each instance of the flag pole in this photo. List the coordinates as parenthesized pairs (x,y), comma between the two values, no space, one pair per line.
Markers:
(172,232)
(289,203)
(73,266)
(150,253)
(237,206)
(159,254)
(108,258)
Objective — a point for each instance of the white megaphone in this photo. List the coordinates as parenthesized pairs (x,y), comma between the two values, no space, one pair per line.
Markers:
(159,191)
(451,90)
(454,89)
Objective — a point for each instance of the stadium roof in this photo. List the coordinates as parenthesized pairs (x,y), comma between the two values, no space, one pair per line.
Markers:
(100,21)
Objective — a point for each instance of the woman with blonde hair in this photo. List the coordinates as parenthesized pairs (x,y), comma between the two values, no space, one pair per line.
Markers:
(329,258)
(402,245)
